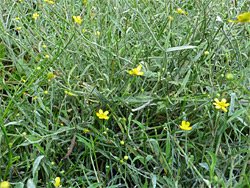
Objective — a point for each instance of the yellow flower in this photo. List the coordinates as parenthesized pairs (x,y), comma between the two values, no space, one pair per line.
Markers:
(206,52)
(20,1)
(86,130)
(102,115)
(170,18)
(57,181)
(136,71)
(83,30)
(38,68)
(97,33)
(18,28)
(77,19)
(34,98)
(5,184)
(46,1)
(44,46)
(122,142)
(35,16)
(126,157)
(185,126)
(23,80)
(51,2)
(223,104)
(245,17)
(46,56)
(50,75)
(180,11)
(17,18)
(45,92)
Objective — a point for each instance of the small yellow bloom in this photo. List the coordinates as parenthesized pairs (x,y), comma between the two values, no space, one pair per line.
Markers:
(136,71)
(102,115)
(34,98)
(35,16)
(18,28)
(97,33)
(245,17)
(70,94)
(46,1)
(77,19)
(4,184)
(180,11)
(221,105)
(17,18)
(50,75)
(57,181)
(185,126)
(122,142)
(23,80)
(86,131)
(206,52)
(83,30)
(52,163)
(126,157)
(124,119)
(51,2)
(45,92)
(46,56)
(20,1)
(44,46)
(170,18)
(121,161)
(38,68)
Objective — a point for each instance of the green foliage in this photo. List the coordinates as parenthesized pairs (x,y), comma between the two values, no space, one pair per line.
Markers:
(56,74)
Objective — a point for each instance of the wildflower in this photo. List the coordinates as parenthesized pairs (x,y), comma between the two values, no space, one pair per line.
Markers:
(68,93)
(17,18)
(5,184)
(121,161)
(52,163)
(46,1)
(126,157)
(18,28)
(20,1)
(245,17)
(50,75)
(86,130)
(229,76)
(24,134)
(51,2)
(142,90)
(83,30)
(136,71)
(170,18)
(38,68)
(223,104)
(97,33)
(35,16)
(185,126)
(34,98)
(102,115)
(46,56)
(180,11)
(122,142)
(44,46)
(23,80)
(124,118)
(105,132)
(77,19)
(206,52)
(57,181)
(45,92)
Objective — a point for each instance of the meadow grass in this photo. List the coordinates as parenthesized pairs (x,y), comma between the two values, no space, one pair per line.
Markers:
(57,72)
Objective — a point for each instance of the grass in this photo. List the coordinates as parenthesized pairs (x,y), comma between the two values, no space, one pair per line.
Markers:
(49,125)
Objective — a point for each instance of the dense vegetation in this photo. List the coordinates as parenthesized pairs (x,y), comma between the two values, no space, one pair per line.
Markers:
(101,93)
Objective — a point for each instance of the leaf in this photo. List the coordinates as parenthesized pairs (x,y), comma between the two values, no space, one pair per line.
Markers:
(19,185)
(180,48)
(94,185)
(138,157)
(236,114)
(168,148)
(212,166)
(36,164)
(30,184)
(183,85)
(85,142)
(153,180)
(139,123)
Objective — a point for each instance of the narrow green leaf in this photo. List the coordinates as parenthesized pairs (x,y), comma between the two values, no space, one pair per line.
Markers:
(236,114)
(30,184)
(183,85)
(36,164)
